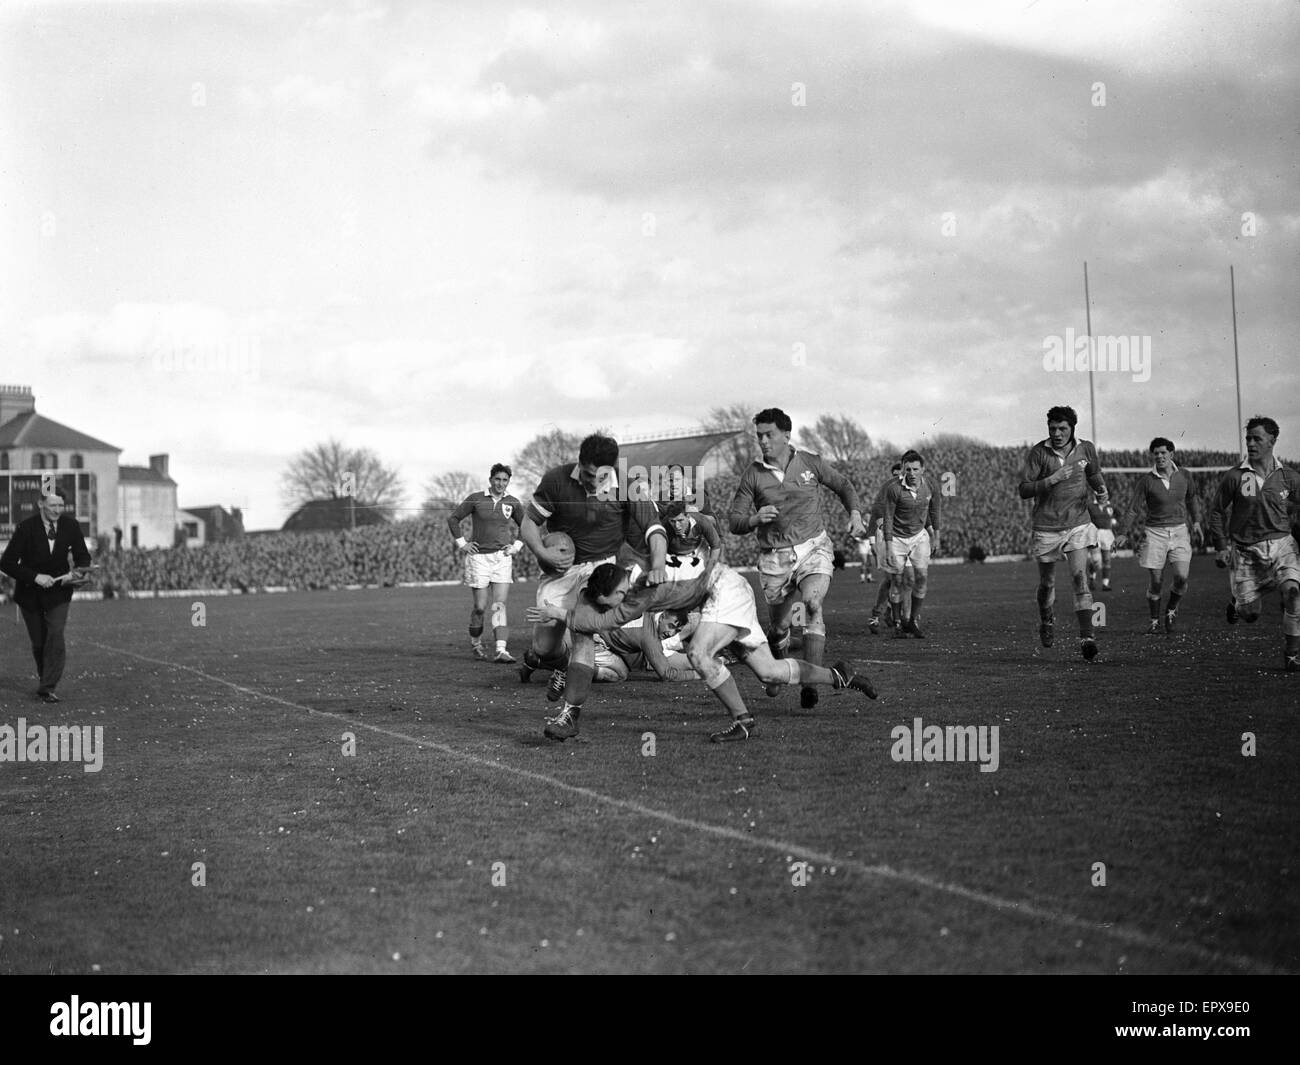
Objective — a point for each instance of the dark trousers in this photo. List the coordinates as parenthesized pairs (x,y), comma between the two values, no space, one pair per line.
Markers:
(45,627)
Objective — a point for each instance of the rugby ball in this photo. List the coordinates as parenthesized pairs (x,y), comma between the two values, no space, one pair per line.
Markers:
(563,542)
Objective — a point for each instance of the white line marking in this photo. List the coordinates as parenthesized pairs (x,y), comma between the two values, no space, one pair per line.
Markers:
(1128,936)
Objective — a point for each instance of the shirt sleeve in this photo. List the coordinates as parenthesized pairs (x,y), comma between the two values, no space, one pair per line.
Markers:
(542,506)
(742,505)
(1222,502)
(836,482)
(935,506)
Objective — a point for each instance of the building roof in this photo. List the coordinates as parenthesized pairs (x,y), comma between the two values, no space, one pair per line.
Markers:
(142,475)
(682,451)
(36,430)
(331,515)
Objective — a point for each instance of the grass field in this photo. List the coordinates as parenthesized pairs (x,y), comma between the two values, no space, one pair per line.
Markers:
(223,745)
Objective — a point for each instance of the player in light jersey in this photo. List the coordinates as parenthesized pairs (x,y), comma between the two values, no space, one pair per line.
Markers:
(585,500)
(1250,520)
(1167,500)
(911,531)
(693,540)
(779,499)
(1102,516)
(1057,475)
(493,543)
(728,618)
(654,642)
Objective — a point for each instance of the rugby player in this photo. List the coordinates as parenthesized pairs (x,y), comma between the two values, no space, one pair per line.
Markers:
(911,534)
(584,500)
(1167,500)
(493,543)
(1250,522)
(1102,515)
(1057,475)
(653,642)
(876,528)
(778,498)
(693,540)
(728,615)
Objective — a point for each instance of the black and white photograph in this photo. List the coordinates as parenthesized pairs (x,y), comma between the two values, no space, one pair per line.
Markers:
(731,487)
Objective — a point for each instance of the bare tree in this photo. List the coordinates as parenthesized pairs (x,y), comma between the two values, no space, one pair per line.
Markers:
(447,491)
(841,440)
(738,418)
(332,471)
(542,453)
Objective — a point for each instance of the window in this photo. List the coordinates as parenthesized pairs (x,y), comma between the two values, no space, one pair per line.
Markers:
(192,529)
(4,460)
(135,536)
(52,460)
(38,461)
(77,462)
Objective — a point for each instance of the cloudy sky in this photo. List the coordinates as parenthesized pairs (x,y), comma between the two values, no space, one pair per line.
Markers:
(233,230)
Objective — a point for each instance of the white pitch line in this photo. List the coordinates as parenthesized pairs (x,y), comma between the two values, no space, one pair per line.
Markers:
(1129,936)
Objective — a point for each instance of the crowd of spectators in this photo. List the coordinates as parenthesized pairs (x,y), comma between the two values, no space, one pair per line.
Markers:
(982,516)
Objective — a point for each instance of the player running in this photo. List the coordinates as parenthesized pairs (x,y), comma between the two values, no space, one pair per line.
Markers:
(584,500)
(1166,498)
(911,533)
(728,618)
(489,555)
(876,528)
(778,498)
(1102,516)
(1251,526)
(1057,475)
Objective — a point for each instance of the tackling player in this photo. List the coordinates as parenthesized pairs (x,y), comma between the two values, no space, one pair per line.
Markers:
(778,498)
(1167,499)
(1251,526)
(488,553)
(1057,474)
(584,500)
(911,532)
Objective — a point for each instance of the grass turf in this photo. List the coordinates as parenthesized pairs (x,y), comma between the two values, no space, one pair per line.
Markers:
(224,745)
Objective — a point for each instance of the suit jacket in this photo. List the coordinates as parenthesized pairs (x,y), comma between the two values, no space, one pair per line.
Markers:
(28,555)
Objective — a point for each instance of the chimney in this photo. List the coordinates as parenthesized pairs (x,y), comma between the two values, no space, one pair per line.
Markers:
(15,400)
(158,463)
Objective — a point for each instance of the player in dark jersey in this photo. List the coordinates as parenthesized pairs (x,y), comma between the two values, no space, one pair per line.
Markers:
(1168,500)
(1057,475)
(584,500)
(876,530)
(693,540)
(911,531)
(493,543)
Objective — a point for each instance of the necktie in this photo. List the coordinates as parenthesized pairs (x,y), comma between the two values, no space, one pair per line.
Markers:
(50,531)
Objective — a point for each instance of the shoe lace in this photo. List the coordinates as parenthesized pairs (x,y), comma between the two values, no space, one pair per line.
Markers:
(564,717)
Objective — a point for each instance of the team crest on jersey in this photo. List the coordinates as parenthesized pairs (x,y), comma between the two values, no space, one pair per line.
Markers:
(807,476)
(507,509)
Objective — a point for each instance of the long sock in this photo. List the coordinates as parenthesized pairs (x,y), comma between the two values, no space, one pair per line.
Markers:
(476,629)
(1174,598)
(917,602)
(1153,604)
(1085,622)
(577,684)
(814,646)
(554,660)
(729,695)
(1046,600)
(882,596)
(811,674)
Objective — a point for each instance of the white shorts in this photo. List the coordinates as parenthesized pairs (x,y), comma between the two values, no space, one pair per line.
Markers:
(731,602)
(562,590)
(1259,567)
(913,549)
(483,568)
(1165,543)
(685,567)
(1052,546)
(781,569)
(1105,539)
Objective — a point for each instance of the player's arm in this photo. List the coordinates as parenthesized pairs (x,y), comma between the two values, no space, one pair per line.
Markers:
(653,649)
(742,518)
(888,508)
(842,487)
(1095,480)
(516,510)
(712,538)
(540,510)
(932,520)
(645,519)
(1035,481)
(453,523)
(1219,507)
(1193,505)
(11,562)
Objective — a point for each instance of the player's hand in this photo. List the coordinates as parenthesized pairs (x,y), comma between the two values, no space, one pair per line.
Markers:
(44,580)
(767,514)
(539,615)
(554,559)
(857,529)
(470,547)
(934,541)
(1222,558)
(657,575)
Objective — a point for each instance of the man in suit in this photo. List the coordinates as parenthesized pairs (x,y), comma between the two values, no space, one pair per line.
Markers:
(37,560)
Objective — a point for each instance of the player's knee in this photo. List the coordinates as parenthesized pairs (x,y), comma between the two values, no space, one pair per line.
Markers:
(1249,612)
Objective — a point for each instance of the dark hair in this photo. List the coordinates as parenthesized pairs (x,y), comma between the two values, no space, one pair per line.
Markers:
(605,578)
(774,416)
(1063,414)
(896,466)
(1267,424)
(501,467)
(674,509)
(1160,441)
(598,450)
(912,456)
